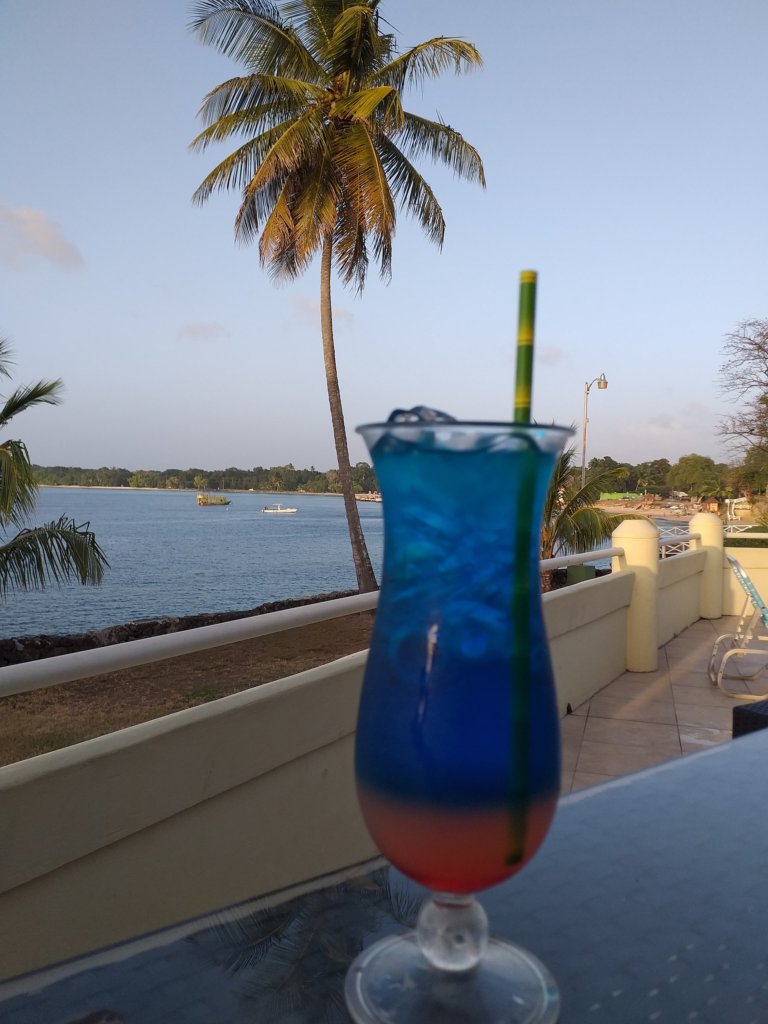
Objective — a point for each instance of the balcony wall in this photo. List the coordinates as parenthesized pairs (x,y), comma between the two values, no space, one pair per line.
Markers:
(679,590)
(164,821)
(587,628)
(754,561)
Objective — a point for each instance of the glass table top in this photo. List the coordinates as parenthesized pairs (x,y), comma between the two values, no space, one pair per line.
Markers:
(647,902)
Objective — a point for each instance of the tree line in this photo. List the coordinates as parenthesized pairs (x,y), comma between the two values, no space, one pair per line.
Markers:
(260,478)
(744,381)
(693,474)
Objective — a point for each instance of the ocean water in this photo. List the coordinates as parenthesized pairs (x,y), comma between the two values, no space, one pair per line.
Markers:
(169,557)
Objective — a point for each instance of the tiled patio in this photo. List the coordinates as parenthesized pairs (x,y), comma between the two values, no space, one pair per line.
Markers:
(643,719)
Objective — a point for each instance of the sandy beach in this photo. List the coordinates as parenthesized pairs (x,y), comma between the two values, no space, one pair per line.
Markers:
(651,511)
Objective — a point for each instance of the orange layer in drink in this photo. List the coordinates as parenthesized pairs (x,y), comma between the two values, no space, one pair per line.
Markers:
(454,849)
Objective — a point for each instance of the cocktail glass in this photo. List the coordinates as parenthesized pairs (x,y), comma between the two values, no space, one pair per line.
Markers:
(458,751)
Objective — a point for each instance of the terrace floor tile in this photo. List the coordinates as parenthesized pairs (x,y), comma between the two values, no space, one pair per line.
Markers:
(648,735)
(645,718)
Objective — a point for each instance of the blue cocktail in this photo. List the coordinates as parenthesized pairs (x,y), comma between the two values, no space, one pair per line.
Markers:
(457,754)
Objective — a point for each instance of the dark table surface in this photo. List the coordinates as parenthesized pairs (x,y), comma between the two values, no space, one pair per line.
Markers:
(647,902)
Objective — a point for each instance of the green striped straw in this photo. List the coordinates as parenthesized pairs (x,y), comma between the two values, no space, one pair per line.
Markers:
(520,661)
(525,326)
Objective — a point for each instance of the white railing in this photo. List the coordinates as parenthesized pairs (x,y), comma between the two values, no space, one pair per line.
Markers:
(66,668)
(681,542)
(581,559)
(737,531)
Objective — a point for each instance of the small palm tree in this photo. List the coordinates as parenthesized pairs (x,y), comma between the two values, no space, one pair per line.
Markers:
(40,555)
(327,152)
(571,522)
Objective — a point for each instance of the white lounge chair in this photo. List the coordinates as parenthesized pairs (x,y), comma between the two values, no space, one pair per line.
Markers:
(747,640)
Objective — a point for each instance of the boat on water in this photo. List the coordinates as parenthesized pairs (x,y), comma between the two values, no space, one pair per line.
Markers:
(279,510)
(213,499)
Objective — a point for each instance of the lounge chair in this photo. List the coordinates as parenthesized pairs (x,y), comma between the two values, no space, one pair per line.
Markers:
(747,640)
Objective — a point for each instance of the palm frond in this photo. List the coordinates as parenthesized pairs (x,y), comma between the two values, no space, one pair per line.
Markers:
(411,190)
(302,142)
(5,358)
(383,101)
(364,178)
(278,229)
(420,136)
(313,20)
(256,208)
(571,520)
(18,490)
(44,392)
(355,46)
(315,206)
(244,122)
(429,60)
(284,97)
(57,552)
(252,31)
(367,195)
(239,168)
(350,249)
(586,496)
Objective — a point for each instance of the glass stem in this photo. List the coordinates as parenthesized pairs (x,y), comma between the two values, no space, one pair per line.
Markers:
(452,931)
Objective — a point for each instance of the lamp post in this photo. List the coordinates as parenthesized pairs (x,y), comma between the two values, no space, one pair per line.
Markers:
(602,384)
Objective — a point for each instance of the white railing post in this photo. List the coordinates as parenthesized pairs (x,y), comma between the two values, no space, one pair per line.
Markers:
(711,593)
(640,540)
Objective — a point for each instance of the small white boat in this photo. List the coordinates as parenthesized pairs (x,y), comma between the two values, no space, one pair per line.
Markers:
(279,510)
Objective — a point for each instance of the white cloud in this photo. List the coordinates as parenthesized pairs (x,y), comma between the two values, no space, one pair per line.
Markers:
(549,355)
(27,233)
(203,331)
(310,308)
(663,421)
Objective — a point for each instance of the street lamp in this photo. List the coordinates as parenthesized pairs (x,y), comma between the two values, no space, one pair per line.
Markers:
(602,384)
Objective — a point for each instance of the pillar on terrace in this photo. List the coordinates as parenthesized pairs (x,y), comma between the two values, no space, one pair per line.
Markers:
(640,540)
(711,591)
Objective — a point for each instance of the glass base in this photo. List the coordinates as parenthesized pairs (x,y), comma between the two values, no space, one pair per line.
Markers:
(391,982)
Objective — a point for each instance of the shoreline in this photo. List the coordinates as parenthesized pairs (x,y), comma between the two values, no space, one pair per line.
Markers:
(37,646)
(647,513)
(184,490)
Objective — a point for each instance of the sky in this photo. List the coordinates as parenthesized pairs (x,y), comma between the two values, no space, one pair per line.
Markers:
(625,153)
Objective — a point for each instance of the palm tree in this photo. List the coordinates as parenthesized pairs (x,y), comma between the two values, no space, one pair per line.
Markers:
(56,551)
(571,522)
(327,156)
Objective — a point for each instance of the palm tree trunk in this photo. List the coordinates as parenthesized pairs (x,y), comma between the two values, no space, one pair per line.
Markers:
(366,581)
(547,580)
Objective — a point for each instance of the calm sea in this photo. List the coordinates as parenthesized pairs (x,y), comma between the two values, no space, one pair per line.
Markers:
(169,557)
